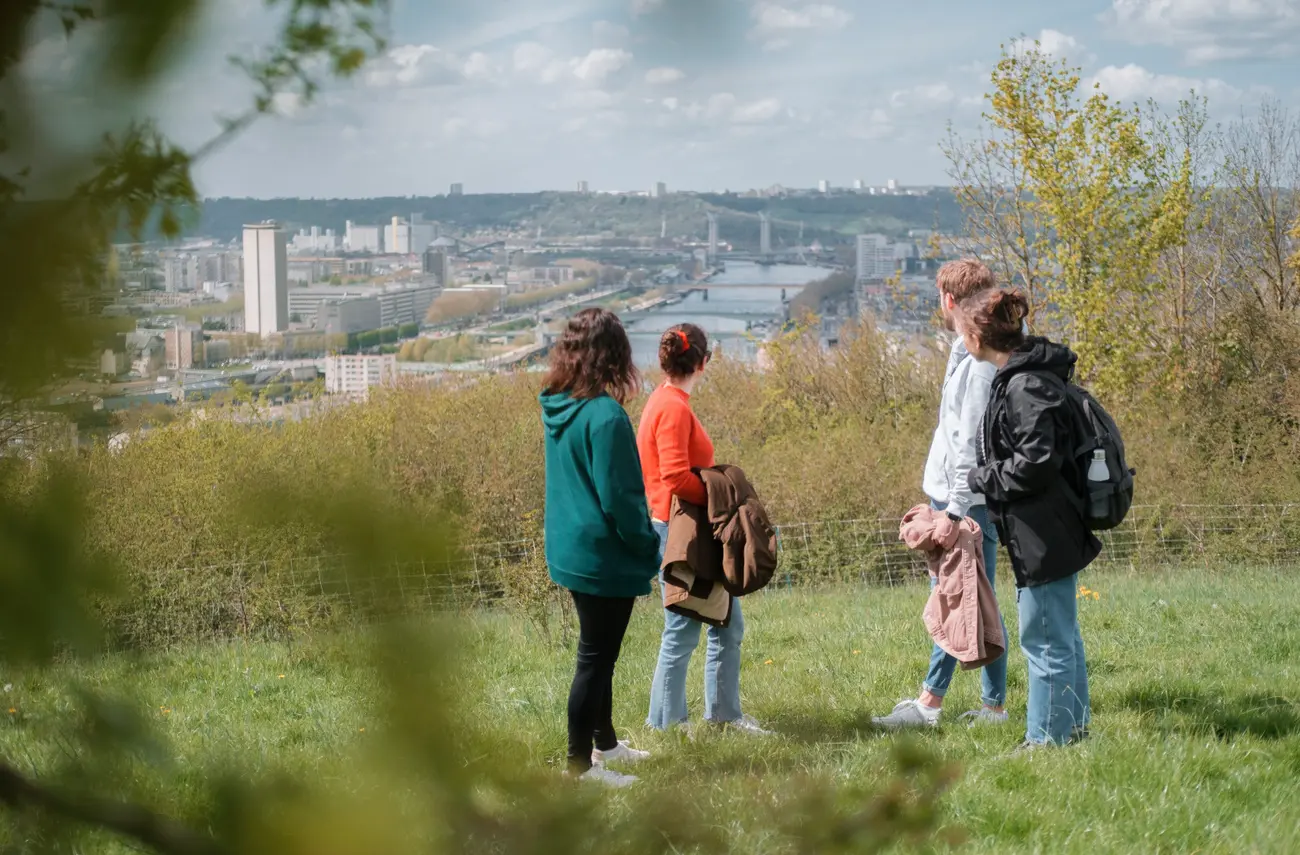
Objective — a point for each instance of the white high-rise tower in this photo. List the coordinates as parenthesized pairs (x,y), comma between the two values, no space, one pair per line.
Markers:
(266,279)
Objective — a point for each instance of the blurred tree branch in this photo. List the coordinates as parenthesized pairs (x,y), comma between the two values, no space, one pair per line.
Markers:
(131,821)
(136,178)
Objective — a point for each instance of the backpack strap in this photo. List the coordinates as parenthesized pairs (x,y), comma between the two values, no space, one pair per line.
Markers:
(1073,491)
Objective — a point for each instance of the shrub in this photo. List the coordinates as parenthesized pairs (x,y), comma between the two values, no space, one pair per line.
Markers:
(825,436)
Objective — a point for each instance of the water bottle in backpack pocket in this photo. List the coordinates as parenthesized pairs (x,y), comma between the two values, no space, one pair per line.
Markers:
(1099,451)
(1098,485)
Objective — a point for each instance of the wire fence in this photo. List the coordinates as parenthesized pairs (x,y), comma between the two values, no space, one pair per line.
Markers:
(277,599)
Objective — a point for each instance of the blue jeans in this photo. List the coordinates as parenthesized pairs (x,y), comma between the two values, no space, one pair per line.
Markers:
(1058,673)
(721,665)
(993,677)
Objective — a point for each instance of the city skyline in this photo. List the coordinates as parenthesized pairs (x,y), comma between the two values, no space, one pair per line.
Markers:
(530,95)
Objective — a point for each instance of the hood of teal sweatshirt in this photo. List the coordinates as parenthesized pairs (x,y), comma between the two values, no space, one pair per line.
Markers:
(559,410)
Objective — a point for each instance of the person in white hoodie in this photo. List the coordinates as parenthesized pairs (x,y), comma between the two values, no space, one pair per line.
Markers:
(966,387)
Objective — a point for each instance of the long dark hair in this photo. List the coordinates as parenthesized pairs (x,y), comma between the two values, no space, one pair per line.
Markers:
(682,350)
(592,358)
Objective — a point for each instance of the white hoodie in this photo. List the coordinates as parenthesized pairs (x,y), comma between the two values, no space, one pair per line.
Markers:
(966,387)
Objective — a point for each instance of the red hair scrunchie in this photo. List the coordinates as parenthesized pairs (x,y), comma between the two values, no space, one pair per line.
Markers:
(686,342)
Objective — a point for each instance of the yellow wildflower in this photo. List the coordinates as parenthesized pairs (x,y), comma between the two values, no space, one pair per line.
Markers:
(12,710)
(768,662)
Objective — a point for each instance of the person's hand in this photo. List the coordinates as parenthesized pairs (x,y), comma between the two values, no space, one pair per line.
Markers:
(945,532)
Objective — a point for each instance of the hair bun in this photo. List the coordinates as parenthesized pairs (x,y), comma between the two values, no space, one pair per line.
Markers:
(1011,305)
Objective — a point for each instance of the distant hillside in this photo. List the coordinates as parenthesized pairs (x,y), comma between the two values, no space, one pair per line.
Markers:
(831,219)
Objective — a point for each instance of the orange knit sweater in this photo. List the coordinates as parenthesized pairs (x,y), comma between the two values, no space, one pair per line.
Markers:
(672,442)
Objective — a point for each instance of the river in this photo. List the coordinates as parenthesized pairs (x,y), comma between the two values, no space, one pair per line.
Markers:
(726,314)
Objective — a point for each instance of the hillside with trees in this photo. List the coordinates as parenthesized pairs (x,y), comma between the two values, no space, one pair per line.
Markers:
(830,219)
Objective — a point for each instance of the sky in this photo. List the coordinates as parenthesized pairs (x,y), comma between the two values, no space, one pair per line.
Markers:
(528,95)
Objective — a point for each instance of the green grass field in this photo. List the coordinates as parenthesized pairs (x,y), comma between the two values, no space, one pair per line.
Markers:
(1195,747)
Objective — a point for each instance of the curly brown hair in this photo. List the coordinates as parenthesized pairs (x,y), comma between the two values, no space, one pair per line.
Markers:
(682,350)
(592,358)
(997,316)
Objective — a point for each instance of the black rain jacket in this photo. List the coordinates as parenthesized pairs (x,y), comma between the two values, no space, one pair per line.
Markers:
(1026,469)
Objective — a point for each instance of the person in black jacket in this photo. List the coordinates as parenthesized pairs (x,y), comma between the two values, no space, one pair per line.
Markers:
(1028,474)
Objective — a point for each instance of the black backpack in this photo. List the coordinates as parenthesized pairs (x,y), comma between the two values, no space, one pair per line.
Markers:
(1104,503)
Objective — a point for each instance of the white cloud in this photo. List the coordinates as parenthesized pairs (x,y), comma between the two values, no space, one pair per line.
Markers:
(645,7)
(588,99)
(773,45)
(1055,45)
(874,125)
(718,106)
(756,113)
(670,103)
(415,66)
(609,34)
(1134,83)
(1210,30)
(459,127)
(773,17)
(479,66)
(923,96)
(539,62)
(287,104)
(532,57)
(599,64)
(660,76)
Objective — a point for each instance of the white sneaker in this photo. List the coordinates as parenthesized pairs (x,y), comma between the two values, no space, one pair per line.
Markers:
(620,753)
(984,715)
(908,714)
(608,777)
(748,725)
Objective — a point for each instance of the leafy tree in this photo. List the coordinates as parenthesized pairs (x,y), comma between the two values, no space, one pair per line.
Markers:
(1076,197)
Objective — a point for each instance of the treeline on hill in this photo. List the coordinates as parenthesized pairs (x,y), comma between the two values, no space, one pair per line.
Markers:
(831,219)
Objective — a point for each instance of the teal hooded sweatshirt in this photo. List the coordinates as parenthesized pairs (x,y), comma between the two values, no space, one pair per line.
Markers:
(599,539)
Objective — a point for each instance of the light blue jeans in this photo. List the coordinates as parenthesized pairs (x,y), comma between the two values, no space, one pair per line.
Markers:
(721,665)
(1058,674)
(993,677)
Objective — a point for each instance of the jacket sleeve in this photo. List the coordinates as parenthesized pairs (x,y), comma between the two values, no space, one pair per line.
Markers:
(975,400)
(673,439)
(1034,461)
(616,473)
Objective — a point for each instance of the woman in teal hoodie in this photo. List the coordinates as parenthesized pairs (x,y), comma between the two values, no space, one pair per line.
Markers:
(599,541)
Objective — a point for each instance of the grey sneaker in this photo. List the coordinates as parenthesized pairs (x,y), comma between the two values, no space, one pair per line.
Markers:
(1027,747)
(908,714)
(984,715)
(620,753)
(607,777)
(1079,734)
(748,725)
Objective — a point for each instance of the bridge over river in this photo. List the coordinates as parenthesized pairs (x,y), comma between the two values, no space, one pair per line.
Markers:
(705,310)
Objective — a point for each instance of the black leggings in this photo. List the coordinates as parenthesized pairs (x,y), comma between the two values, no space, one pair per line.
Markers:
(602,622)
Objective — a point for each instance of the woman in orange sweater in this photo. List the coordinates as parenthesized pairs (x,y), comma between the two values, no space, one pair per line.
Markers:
(673,443)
